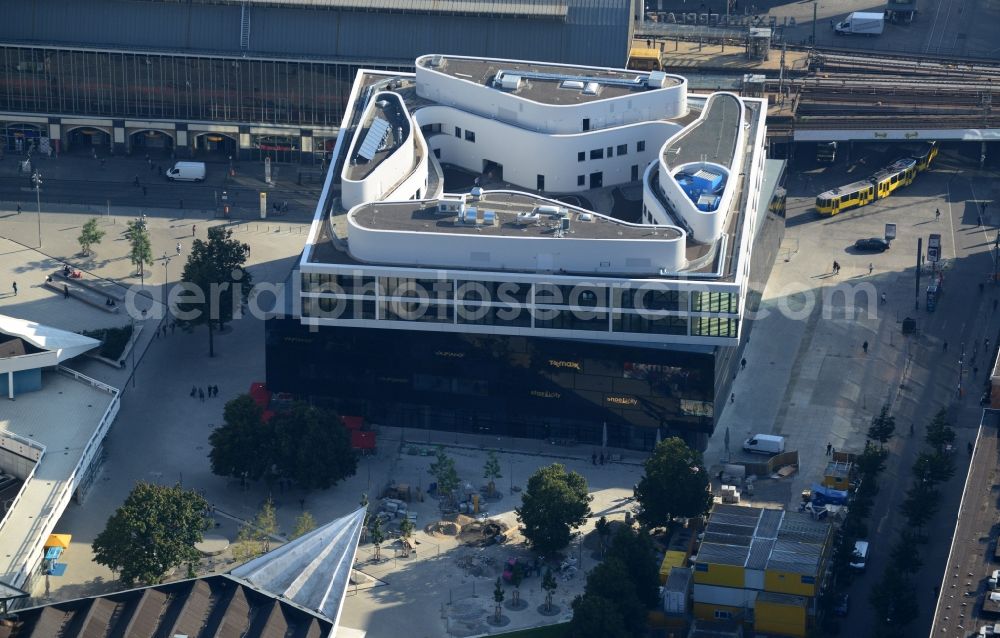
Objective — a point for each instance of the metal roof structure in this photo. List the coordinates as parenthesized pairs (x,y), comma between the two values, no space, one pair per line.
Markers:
(594,32)
(65,344)
(757,538)
(312,571)
(211,606)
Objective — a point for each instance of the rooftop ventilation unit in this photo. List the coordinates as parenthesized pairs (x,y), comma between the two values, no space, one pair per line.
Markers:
(468,216)
(591,88)
(527,218)
(477,193)
(571,84)
(435,60)
(489,218)
(509,82)
(383,103)
(584,217)
(656,79)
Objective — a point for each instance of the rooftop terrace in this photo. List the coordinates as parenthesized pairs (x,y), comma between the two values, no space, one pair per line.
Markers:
(711,139)
(424,216)
(546,83)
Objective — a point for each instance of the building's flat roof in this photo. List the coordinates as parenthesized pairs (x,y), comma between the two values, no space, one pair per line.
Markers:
(62,416)
(758,538)
(712,139)
(387,107)
(423,216)
(545,90)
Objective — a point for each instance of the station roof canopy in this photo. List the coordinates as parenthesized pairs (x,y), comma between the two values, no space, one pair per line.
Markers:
(65,344)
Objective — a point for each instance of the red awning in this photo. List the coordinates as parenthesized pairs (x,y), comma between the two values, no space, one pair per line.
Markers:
(260,394)
(362,440)
(352,422)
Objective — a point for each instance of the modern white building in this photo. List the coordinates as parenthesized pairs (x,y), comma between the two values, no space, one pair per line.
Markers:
(571,209)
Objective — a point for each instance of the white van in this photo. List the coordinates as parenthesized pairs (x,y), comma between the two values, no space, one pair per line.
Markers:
(860,559)
(765,444)
(187,172)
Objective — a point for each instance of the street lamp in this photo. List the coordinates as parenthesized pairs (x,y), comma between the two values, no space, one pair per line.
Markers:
(166,283)
(36,179)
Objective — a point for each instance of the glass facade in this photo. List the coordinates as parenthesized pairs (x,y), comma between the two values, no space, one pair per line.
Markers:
(501,385)
(121,84)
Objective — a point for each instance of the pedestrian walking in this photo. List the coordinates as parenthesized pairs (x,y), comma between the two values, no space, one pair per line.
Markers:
(194,391)
(178,248)
(600,457)
(835,267)
(732,398)
(201,394)
(593,458)
(946,346)
(143,191)
(975,371)
(937,213)
(871,267)
(14,284)
(135,181)
(883,298)
(18,209)
(93,151)
(192,230)
(864,346)
(743,363)
(65,291)
(829,448)
(173,326)
(164,330)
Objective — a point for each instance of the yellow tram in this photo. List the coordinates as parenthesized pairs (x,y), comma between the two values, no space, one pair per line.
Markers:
(883,183)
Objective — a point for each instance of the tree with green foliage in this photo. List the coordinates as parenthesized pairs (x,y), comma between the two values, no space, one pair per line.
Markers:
(933,467)
(634,548)
(549,585)
(841,559)
(364,526)
(894,603)
(491,471)
(243,446)
(406,528)
(883,426)
(254,537)
(921,504)
(554,502)
(90,235)
(597,617)
(378,537)
(675,484)
(611,580)
(516,578)
(603,529)
(871,463)
(939,432)
(312,447)
(214,282)
(904,554)
(498,596)
(154,530)
(140,252)
(304,523)
(444,472)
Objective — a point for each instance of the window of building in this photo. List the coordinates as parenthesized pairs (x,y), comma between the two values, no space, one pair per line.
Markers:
(458,132)
(611,151)
(640,146)
(714,302)
(635,172)
(470,136)
(586,123)
(581,180)
(623,149)
(723,615)
(714,327)
(540,183)
(581,156)
(597,153)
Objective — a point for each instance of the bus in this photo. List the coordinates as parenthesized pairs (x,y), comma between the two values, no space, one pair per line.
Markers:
(644,59)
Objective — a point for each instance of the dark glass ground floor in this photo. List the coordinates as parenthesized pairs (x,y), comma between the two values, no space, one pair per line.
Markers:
(499,385)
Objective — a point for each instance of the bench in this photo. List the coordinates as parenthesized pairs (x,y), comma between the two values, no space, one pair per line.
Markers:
(83,294)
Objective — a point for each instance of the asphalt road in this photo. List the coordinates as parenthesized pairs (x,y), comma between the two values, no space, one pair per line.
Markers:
(963,316)
(83,180)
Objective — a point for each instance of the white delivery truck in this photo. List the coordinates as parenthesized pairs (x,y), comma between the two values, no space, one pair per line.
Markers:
(861,23)
(765,444)
(187,172)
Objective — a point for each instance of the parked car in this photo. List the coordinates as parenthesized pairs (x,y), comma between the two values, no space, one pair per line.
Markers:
(994,578)
(872,245)
(842,605)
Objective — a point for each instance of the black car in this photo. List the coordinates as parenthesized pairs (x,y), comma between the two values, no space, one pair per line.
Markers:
(842,605)
(872,245)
